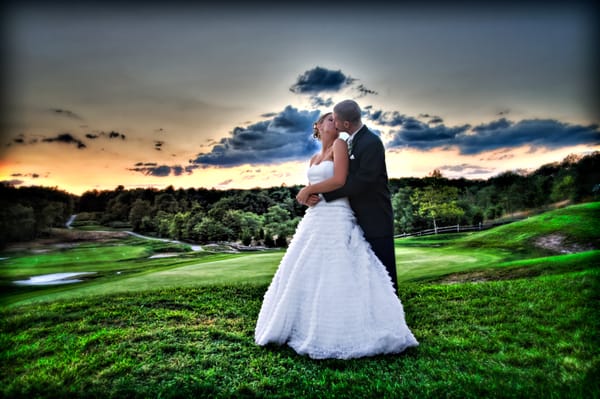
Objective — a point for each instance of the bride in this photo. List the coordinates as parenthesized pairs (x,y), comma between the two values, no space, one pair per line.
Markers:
(331,297)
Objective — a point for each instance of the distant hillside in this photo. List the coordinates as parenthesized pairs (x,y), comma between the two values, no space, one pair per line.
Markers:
(571,229)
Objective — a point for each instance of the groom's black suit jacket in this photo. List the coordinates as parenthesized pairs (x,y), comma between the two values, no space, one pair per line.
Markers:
(367,186)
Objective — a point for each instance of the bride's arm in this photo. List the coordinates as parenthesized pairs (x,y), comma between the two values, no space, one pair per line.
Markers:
(340,172)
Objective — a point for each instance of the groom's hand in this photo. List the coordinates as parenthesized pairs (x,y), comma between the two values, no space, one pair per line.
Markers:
(303,197)
(313,200)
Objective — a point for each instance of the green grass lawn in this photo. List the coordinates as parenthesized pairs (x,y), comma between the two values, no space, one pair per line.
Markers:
(80,258)
(495,316)
(518,338)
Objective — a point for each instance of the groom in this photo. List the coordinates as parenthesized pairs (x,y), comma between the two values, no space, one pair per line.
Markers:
(366,185)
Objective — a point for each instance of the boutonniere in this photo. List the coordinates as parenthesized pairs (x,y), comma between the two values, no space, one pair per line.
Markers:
(351,157)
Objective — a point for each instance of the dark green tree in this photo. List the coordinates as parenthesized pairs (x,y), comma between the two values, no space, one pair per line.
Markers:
(140,209)
(403,210)
(437,203)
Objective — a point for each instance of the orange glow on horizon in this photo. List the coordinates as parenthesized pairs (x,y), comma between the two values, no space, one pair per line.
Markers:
(77,175)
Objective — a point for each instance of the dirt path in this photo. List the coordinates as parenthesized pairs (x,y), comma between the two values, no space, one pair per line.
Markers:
(195,248)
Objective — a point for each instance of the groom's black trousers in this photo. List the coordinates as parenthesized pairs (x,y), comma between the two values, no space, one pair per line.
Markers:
(385,251)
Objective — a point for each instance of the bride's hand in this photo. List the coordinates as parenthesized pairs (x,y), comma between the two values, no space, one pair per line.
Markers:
(303,195)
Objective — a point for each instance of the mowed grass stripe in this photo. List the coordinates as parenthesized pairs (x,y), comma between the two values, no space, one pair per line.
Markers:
(254,268)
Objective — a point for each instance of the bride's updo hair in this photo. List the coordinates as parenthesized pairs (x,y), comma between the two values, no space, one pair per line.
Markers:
(316,133)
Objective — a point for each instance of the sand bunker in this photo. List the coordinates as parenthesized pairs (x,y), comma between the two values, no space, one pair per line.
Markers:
(53,279)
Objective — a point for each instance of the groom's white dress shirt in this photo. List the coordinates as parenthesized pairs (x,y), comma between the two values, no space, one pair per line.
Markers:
(353,133)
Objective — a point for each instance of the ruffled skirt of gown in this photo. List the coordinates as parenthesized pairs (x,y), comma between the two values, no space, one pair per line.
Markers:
(331,297)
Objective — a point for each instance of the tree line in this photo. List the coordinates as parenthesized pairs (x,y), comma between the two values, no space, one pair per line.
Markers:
(269,216)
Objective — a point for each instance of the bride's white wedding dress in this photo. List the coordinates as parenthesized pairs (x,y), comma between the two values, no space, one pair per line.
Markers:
(331,297)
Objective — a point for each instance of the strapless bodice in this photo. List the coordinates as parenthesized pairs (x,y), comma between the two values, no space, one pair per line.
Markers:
(323,171)
(320,172)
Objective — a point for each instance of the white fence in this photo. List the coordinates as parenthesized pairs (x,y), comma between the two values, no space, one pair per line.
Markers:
(455,229)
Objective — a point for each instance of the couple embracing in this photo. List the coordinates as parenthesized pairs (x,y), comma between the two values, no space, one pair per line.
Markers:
(334,292)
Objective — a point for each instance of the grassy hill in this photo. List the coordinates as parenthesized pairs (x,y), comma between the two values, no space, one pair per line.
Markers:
(566,239)
(572,229)
(507,312)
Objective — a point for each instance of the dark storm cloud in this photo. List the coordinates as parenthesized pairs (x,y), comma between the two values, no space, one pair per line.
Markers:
(318,101)
(67,113)
(65,138)
(384,118)
(493,126)
(32,175)
(501,133)
(537,133)
(111,135)
(116,135)
(321,79)
(432,118)
(287,136)
(466,169)
(153,169)
(416,134)
(22,139)
(160,171)
(364,91)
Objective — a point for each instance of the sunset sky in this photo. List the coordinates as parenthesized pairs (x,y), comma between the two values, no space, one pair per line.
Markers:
(225,97)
